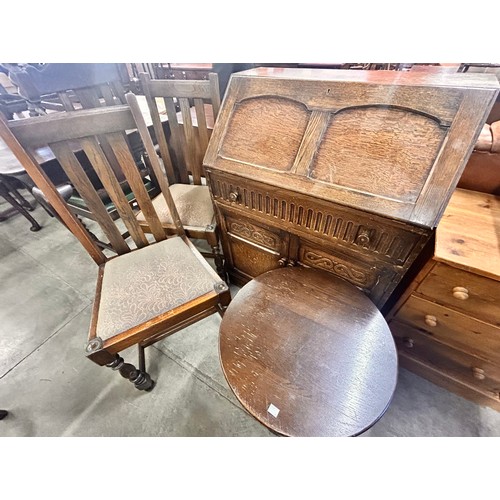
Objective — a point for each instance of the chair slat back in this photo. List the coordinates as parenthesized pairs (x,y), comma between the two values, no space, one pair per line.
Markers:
(101,133)
(77,176)
(96,96)
(50,191)
(184,100)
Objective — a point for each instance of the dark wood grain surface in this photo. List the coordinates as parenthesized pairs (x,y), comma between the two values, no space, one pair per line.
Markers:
(391,144)
(312,346)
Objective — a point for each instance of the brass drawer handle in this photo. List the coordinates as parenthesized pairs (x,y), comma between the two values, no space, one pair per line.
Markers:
(233,196)
(430,320)
(478,373)
(363,239)
(460,293)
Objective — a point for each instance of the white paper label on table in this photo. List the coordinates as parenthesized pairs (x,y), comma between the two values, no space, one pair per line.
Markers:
(273,410)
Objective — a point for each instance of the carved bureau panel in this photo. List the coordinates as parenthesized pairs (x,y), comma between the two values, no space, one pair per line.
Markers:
(346,171)
(391,164)
(349,228)
(251,248)
(256,241)
(253,233)
(371,276)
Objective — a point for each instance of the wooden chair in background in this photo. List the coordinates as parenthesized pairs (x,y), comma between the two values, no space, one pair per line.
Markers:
(143,294)
(70,87)
(182,154)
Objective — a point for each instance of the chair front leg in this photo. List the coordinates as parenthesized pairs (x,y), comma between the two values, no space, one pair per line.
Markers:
(139,377)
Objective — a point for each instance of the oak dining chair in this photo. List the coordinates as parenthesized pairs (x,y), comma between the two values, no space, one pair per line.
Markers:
(151,289)
(191,107)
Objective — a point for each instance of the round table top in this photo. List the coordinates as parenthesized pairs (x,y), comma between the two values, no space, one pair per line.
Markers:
(308,354)
(9,164)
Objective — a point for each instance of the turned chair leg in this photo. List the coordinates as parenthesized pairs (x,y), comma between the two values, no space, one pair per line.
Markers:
(141,379)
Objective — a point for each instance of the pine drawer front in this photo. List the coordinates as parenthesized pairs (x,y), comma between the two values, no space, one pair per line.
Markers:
(452,327)
(472,370)
(469,293)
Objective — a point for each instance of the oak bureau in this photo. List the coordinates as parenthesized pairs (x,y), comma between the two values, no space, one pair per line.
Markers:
(345,171)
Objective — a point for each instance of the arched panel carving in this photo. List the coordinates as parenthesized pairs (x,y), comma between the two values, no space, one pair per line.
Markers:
(265,131)
(378,150)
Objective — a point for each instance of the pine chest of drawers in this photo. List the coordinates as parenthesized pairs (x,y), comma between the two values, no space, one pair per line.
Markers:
(447,323)
(346,171)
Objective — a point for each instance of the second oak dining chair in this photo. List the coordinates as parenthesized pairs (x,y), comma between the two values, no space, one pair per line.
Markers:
(150,289)
(182,142)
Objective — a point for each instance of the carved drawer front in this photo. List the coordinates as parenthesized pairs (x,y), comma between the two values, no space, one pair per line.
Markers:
(251,232)
(370,276)
(452,327)
(386,239)
(474,295)
(472,370)
(250,248)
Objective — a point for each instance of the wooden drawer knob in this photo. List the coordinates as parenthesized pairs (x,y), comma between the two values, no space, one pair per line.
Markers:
(430,320)
(233,196)
(460,293)
(408,342)
(478,373)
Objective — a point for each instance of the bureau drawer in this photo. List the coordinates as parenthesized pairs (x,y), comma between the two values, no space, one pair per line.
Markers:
(249,247)
(474,295)
(371,276)
(469,369)
(452,327)
(253,233)
(351,229)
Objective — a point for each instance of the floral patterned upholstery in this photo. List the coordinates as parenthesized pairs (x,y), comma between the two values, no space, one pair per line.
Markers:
(143,284)
(192,202)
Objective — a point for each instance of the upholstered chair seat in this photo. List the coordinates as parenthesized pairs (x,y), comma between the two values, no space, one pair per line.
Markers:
(193,203)
(152,281)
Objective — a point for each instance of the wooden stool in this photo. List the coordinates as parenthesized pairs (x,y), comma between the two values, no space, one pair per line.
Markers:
(308,354)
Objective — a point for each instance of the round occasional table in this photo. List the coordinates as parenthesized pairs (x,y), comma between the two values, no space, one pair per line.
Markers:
(308,354)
